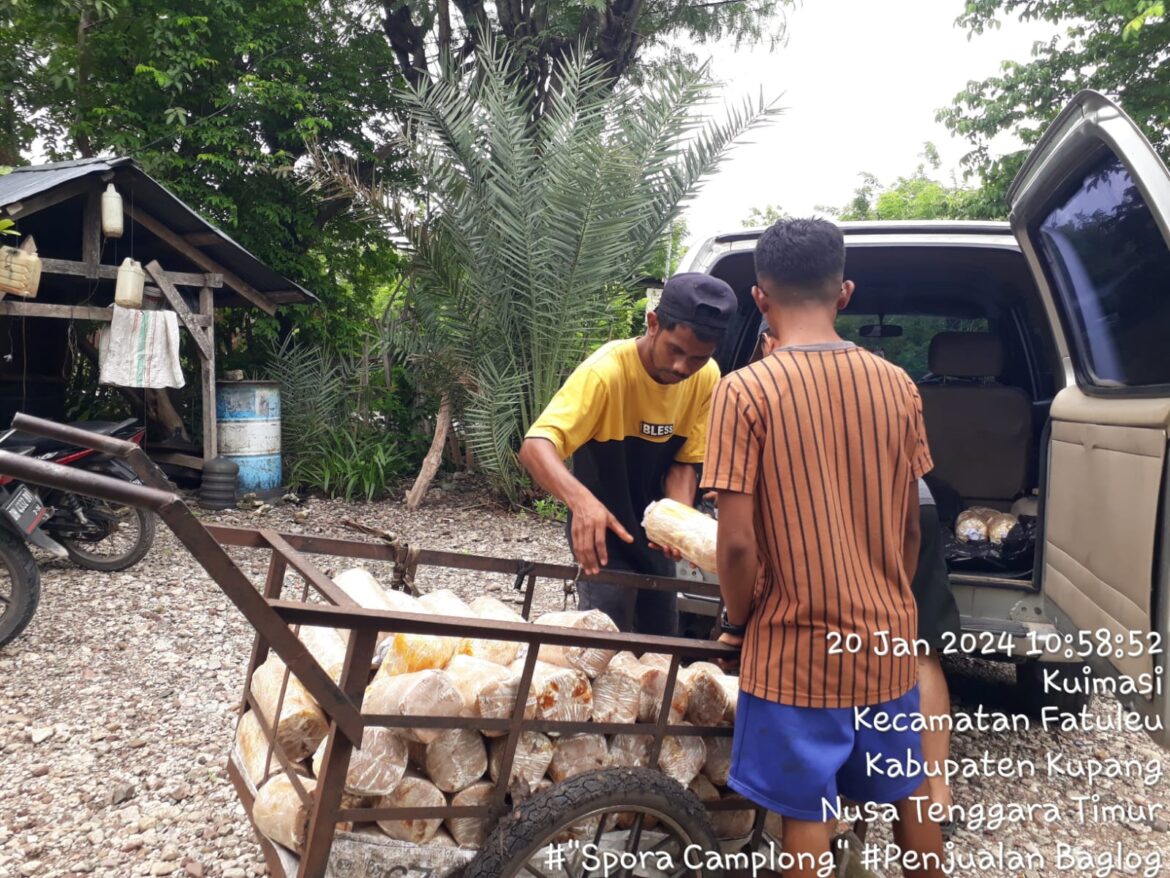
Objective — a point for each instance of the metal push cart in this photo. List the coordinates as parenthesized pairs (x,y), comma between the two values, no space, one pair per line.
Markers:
(643,819)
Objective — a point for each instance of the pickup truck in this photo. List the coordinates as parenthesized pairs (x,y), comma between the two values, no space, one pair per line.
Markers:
(1040,348)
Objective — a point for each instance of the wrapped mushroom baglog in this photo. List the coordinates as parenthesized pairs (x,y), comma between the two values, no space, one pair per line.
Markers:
(412,792)
(456,759)
(534,753)
(678,526)
(589,660)
(279,813)
(423,693)
(576,754)
(619,691)
(302,724)
(500,652)
(376,768)
(364,590)
(469,832)
(252,746)
(472,676)
(555,693)
(713,698)
(681,757)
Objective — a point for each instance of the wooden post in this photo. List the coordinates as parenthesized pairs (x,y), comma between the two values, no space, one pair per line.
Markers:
(207,373)
(91,232)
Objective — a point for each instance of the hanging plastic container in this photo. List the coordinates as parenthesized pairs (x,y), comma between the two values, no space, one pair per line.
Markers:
(248,413)
(111,213)
(20,272)
(128,288)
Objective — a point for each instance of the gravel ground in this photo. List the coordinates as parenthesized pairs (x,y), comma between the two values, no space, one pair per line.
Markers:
(117,709)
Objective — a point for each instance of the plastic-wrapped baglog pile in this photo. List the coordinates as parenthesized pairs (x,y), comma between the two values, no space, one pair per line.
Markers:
(429,675)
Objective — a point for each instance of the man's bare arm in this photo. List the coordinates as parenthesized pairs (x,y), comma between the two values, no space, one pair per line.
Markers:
(736,554)
(590,517)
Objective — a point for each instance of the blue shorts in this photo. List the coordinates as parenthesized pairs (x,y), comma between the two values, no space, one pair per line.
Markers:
(796,761)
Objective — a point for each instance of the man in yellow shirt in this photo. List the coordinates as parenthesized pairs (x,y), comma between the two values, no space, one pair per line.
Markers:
(633,417)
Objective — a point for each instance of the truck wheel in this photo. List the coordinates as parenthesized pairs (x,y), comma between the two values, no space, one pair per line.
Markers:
(551,833)
(1035,695)
(20,586)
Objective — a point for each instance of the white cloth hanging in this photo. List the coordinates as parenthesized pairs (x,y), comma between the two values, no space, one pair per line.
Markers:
(140,349)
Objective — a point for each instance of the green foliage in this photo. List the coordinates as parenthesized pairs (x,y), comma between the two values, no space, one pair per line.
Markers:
(1117,47)
(534,228)
(919,196)
(668,253)
(758,218)
(626,39)
(215,98)
(910,350)
(342,432)
(550,509)
(351,464)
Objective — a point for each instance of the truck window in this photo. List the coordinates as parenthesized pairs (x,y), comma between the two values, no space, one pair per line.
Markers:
(1109,263)
(909,350)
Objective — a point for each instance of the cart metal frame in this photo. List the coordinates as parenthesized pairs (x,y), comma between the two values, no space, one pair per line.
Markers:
(321,603)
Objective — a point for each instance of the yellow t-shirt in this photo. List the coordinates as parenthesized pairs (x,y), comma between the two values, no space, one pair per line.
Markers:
(623,431)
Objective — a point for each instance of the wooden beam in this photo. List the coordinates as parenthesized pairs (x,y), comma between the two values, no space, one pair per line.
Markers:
(91,233)
(199,257)
(14,308)
(174,457)
(110,272)
(207,372)
(50,198)
(203,239)
(172,295)
(285,297)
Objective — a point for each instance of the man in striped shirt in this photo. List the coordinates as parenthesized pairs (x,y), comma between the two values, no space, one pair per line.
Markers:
(815,452)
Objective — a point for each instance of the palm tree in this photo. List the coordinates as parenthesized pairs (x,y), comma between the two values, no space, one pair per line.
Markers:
(534,228)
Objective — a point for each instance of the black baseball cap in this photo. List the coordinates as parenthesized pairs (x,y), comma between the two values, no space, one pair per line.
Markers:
(699,300)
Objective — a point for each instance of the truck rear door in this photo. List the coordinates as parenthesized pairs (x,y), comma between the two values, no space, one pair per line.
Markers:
(1091,209)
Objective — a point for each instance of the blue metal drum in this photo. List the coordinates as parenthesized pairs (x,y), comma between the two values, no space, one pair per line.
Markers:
(248,413)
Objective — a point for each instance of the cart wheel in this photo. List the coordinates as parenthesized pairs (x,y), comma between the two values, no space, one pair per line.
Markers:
(632,822)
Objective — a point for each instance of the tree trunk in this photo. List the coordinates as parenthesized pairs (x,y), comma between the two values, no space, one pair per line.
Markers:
(430,464)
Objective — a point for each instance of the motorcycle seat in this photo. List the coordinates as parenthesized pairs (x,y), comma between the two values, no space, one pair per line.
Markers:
(42,445)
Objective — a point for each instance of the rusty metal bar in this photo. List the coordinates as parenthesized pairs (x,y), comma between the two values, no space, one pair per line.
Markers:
(368,815)
(267,847)
(273,585)
(664,712)
(142,465)
(359,652)
(276,753)
(315,545)
(239,589)
(554,726)
(78,481)
(307,569)
(523,690)
(323,616)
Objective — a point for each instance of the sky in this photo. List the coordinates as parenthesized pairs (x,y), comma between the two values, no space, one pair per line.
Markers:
(860,82)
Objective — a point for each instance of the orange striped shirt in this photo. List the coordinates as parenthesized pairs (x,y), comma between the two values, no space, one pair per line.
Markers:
(828,440)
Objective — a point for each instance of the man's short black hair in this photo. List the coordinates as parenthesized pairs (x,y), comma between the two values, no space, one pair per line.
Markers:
(705,334)
(805,256)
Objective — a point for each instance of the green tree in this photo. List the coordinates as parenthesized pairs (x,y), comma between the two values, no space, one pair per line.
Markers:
(530,229)
(919,196)
(616,34)
(216,98)
(1117,47)
(759,218)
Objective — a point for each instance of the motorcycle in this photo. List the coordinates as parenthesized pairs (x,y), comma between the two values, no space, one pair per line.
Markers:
(94,534)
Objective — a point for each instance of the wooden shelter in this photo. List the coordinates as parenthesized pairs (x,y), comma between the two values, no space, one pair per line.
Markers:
(195,266)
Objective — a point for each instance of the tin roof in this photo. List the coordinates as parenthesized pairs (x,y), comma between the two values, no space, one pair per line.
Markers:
(152,197)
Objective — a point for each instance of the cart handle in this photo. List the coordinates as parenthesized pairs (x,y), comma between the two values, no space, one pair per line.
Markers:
(77,481)
(133,454)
